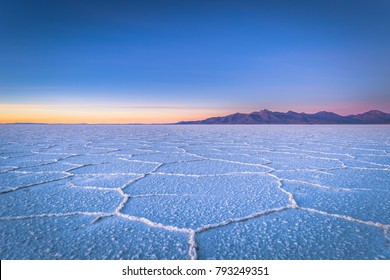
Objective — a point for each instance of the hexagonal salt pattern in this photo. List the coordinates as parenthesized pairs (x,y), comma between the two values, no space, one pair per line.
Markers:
(194,192)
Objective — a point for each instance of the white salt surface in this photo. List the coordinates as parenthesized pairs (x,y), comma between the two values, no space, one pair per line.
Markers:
(194,192)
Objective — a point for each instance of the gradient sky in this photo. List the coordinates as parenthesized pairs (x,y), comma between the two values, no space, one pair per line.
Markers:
(163,61)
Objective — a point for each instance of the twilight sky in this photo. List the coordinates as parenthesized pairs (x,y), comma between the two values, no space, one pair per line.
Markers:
(117,61)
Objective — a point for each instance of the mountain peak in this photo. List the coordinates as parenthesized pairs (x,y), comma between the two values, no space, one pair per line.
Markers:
(326,113)
(265,111)
(375,112)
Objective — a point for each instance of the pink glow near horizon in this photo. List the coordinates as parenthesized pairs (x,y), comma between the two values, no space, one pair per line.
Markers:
(61,113)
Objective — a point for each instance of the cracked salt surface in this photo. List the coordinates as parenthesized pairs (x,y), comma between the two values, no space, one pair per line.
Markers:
(193,202)
(194,192)
(293,234)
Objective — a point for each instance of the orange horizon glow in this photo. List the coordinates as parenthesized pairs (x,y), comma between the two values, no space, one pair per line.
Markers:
(142,114)
(100,114)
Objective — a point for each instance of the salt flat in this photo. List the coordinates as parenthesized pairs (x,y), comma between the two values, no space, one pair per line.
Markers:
(194,192)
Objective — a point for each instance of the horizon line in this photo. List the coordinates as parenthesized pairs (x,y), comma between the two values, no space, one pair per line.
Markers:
(167,123)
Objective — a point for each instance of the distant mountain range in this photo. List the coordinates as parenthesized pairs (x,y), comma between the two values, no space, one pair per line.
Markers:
(323,117)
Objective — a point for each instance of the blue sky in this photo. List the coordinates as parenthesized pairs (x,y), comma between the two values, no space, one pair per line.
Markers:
(199,57)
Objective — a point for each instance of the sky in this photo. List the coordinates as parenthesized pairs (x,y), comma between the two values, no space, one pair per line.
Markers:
(118,61)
